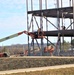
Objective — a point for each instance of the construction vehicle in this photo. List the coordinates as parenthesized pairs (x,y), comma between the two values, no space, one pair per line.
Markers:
(49,49)
(3,55)
(12,36)
(34,35)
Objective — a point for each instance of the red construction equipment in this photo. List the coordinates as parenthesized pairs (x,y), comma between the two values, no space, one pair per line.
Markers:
(3,55)
(11,36)
(49,49)
(34,35)
(17,34)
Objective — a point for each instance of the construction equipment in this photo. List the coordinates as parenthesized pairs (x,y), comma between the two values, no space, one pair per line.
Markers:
(17,34)
(49,49)
(40,34)
(34,35)
(11,36)
(3,55)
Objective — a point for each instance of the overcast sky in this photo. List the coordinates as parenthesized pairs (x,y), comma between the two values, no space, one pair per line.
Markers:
(13,19)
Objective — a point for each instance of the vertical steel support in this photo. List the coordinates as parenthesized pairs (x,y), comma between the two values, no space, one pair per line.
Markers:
(32,25)
(62,26)
(73,14)
(42,47)
(57,49)
(61,4)
(41,25)
(58,25)
(70,22)
(33,46)
(72,27)
(46,21)
(58,19)
(28,28)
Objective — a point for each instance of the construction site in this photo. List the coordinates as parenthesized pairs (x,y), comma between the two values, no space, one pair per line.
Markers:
(40,17)
(49,26)
(46,23)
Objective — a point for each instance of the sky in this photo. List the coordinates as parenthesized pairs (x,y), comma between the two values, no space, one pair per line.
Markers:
(13,19)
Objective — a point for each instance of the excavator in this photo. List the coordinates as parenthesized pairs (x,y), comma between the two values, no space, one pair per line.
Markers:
(34,35)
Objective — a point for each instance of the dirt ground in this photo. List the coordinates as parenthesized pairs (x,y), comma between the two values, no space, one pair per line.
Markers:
(36,69)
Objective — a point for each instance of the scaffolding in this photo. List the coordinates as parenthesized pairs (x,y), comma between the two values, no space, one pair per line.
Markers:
(40,14)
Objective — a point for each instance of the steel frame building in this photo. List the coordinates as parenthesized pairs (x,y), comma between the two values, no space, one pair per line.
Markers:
(40,19)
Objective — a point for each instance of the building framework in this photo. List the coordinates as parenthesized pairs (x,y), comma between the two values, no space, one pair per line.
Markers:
(40,18)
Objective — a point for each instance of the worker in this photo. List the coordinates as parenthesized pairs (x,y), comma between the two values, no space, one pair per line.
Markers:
(37,33)
(40,33)
(63,27)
